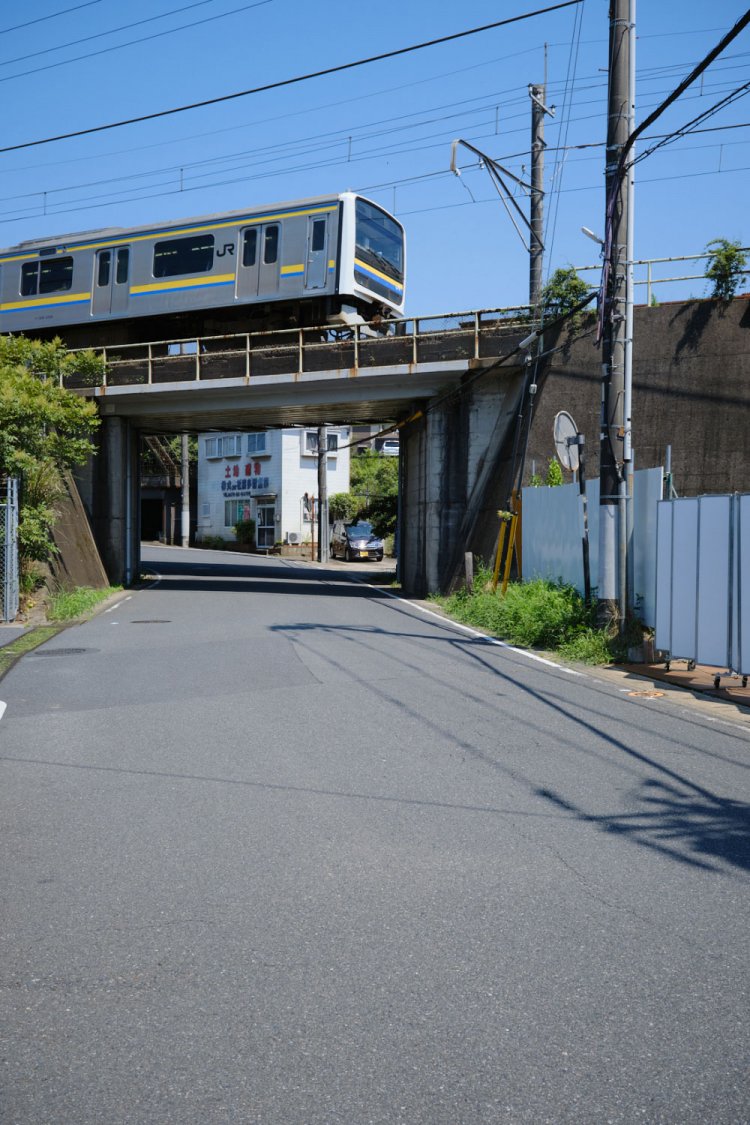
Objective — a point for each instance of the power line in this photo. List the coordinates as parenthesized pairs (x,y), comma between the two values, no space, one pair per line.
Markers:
(684,130)
(51,16)
(143,39)
(292,81)
(98,35)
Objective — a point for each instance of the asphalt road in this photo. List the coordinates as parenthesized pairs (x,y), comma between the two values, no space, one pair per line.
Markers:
(282,848)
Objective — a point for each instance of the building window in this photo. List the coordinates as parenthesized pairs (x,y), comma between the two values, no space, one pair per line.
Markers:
(310,443)
(236,510)
(184,256)
(231,446)
(212,447)
(256,443)
(53,275)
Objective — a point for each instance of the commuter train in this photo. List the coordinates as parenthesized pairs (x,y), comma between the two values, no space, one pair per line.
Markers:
(329,260)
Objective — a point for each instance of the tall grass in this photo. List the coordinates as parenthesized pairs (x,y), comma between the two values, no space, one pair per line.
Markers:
(537,614)
(69,604)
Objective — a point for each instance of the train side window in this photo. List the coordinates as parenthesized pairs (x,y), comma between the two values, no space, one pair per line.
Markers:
(250,247)
(51,276)
(271,245)
(123,264)
(105,260)
(29,278)
(55,274)
(184,255)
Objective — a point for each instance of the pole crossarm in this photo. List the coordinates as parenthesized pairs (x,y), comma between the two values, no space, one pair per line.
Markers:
(497,171)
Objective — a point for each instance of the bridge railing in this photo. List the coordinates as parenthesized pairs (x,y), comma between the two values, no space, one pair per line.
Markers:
(299,351)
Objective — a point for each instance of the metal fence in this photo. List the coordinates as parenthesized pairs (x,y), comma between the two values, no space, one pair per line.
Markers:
(460,336)
(647,271)
(9,584)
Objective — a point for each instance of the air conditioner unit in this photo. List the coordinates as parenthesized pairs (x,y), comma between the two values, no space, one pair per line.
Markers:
(293,537)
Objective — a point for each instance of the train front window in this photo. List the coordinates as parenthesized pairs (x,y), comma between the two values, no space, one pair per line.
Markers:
(52,275)
(184,256)
(379,240)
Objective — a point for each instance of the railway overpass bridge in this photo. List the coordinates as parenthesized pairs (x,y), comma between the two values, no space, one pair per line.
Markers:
(452,383)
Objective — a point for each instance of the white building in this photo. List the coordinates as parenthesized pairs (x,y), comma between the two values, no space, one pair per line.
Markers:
(270,477)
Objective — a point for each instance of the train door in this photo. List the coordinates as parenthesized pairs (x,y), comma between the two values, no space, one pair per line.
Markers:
(111,277)
(316,269)
(260,254)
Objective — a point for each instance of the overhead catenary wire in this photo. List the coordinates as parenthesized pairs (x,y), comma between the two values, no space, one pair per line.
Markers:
(341,67)
(144,39)
(51,16)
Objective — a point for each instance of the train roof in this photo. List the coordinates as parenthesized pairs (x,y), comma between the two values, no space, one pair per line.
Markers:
(107,233)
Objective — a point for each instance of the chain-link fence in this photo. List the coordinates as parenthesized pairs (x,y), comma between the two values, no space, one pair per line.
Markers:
(9,586)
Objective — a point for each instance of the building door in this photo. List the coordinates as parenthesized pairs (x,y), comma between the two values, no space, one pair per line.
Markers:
(316,270)
(111,277)
(265,531)
(260,254)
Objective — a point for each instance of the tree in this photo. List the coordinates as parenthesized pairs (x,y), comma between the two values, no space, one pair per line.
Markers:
(373,492)
(725,267)
(564,290)
(43,430)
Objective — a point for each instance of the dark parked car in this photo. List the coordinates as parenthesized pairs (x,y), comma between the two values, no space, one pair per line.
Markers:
(355,541)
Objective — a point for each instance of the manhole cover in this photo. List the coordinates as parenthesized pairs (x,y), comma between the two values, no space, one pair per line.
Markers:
(61,651)
(647,694)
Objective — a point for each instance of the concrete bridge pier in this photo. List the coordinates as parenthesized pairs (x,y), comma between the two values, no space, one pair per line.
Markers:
(454,479)
(109,488)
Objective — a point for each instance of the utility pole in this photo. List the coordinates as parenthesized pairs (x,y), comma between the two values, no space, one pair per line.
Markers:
(185,489)
(536,226)
(614,324)
(323,494)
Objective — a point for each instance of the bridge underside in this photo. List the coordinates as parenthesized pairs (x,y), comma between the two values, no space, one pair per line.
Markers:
(455,412)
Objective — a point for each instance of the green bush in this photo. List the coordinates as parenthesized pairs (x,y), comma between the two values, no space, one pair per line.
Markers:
(245,532)
(725,267)
(537,614)
(214,542)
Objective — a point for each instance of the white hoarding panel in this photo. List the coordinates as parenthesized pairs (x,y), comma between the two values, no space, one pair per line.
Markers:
(663,622)
(741,653)
(684,577)
(712,618)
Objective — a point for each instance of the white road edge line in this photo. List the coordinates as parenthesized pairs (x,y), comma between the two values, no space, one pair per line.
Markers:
(482,636)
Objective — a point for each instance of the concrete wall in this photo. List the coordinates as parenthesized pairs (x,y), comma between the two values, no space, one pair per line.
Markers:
(450,484)
(691,390)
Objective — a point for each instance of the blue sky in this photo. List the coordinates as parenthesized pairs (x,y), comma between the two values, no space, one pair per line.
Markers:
(384,129)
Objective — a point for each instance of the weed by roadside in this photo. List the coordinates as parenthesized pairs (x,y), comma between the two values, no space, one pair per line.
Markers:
(537,614)
(69,604)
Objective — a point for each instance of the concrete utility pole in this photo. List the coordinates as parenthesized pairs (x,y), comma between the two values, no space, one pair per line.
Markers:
(612,427)
(185,489)
(323,494)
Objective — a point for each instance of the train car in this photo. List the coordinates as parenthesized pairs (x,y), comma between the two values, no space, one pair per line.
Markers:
(329,260)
